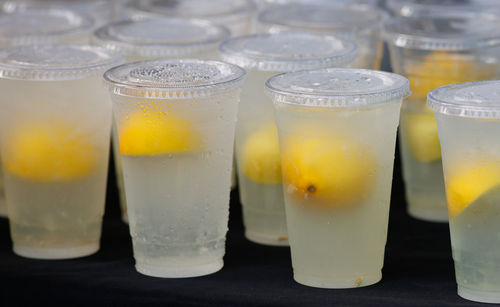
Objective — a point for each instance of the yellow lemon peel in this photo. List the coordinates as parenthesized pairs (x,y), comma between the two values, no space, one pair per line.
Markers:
(422,137)
(468,183)
(441,68)
(327,170)
(51,151)
(154,132)
(260,156)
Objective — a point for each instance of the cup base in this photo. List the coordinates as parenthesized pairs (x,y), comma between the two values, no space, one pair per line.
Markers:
(362,281)
(56,253)
(479,296)
(264,239)
(438,216)
(179,271)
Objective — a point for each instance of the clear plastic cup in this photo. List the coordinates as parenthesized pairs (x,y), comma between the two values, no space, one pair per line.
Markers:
(414,8)
(468,121)
(433,51)
(360,23)
(44,27)
(100,10)
(175,122)
(237,15)
(337,130)
(157,38)
(55,131)
(257,145)
(268,3)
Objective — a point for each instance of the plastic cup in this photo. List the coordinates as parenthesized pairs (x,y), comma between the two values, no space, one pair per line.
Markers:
(337,131)
(432,51)
(55,130)
(468,121)
(257,145)
(237,15)
(100,10)
(152,39)
(175,122)
(414,8)
(268,3)
(44,27)
(360,23)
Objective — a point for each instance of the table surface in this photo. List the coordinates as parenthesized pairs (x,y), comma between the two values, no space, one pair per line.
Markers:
(418,270)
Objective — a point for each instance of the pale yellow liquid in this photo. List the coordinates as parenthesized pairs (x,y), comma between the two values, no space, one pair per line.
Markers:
(343,247)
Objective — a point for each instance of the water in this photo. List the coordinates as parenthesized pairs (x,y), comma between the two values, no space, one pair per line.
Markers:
(425,191)
(178,200)
(475,238)
(264,212)
(338,239)
(178,211)
(56,220)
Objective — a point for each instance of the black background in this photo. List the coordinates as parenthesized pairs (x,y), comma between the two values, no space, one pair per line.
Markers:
(418,270)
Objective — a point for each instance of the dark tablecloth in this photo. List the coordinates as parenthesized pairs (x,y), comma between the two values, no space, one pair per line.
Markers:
(418,270)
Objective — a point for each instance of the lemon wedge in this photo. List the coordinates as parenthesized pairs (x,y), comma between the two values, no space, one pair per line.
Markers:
(327,170)
(468,183)
(422,137)
(51,151)
(261,156)
(154,132)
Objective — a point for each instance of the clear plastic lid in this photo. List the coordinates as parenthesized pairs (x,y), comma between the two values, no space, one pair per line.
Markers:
(424,7)
(98,8)
(174,79)
(214,10)
(470,99)
(322,2)
(287,51)
(55,62)
(350,21)
(338,87)
(167,37)
(43,26)
(451,31)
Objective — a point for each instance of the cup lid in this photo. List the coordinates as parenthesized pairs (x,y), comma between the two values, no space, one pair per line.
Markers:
(348,20)
(470,99)
(174,78)
(213,10)
(337,87)
(55,62)
(452,31)
(287,51)
(424,7)
(321,2)
(80,5)
(167,37)
(36,26)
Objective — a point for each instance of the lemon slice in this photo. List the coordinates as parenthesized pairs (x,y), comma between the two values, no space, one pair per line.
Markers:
(327,170)
(261,156)
(49,152)
(468,183)
(422,137)
(155,132)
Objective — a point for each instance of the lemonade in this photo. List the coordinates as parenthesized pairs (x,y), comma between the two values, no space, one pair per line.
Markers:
(358,22)
(157,38)
(176,147)
(337,141)
(257,144)
(433,56)
(55,146)
(468,126)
